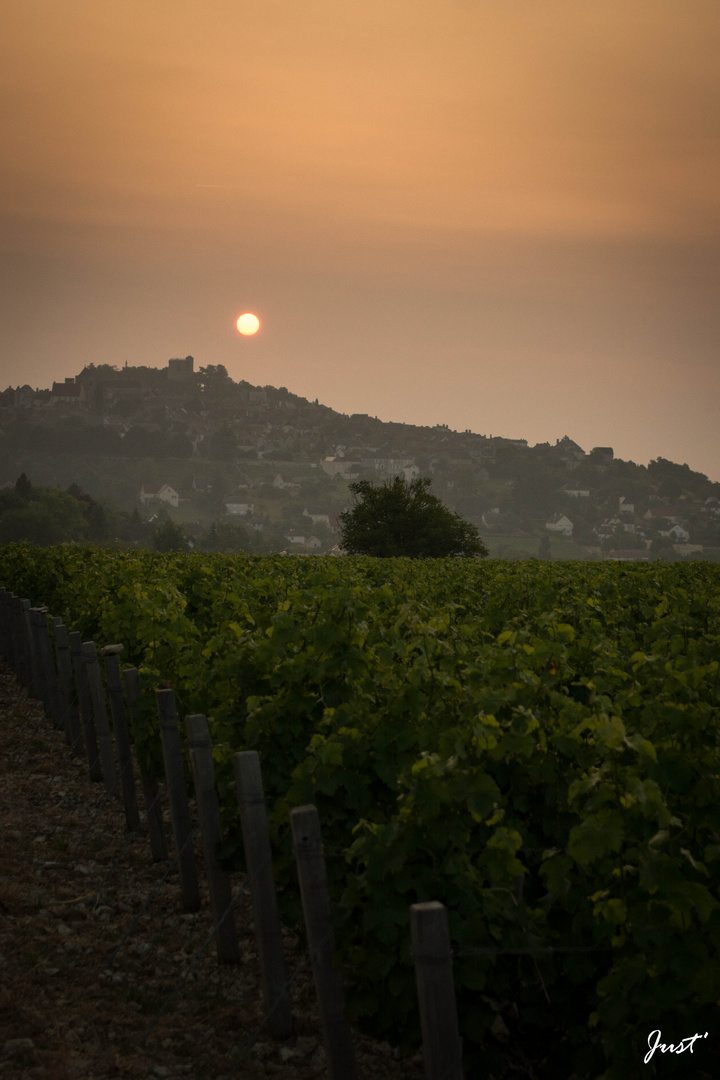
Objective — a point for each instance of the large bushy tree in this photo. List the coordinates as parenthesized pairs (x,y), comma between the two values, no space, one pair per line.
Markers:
(402,518)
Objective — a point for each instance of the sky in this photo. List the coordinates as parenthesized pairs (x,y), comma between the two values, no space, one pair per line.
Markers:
(501,215)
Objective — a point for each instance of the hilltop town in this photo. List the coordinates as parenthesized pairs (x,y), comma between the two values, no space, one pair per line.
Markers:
(272,469)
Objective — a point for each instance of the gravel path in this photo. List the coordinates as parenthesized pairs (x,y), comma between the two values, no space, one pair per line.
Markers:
(92,946)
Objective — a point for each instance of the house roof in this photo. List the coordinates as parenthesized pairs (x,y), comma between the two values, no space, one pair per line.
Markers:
(660,512)
(66,390)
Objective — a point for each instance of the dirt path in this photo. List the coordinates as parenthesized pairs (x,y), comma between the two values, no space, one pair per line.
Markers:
(74,887)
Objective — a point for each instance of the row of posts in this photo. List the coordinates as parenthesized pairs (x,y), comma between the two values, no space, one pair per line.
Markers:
(63,672)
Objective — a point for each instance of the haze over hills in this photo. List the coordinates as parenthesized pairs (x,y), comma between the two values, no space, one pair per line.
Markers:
(205,449)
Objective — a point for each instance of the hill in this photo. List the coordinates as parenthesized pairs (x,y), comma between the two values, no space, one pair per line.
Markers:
(207,449)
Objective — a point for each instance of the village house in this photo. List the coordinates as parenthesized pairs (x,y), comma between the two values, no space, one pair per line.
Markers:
(339,466)
(658,514)
(308,542)
(67,393)
(164,493)
(25,397)
(317,518)
(677,533)
(627,555)
(282,483)
(388,468)
(569,452)
(560,524)
(238,509)
(576,492)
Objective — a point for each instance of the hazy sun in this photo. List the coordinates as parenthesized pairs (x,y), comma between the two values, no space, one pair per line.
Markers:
(248,324)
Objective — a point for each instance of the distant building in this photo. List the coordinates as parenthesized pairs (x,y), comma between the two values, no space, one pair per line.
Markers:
(238,509)
(25,397)
(180,370)
(339,466)
(627,555)
(676,532)
(387,468)
(561,524)
(70,392)
(317,518)
(281,482)
(164,493)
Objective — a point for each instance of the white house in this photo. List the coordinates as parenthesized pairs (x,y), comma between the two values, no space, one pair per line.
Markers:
(575,492)
(560,524)
(282,482)
(677,533)
(317,519)
(339,466)
(238,509)
(164,493)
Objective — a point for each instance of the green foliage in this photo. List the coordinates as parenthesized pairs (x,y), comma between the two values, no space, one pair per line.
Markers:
(169,536)
(533,744)
(40,515)
(405,519)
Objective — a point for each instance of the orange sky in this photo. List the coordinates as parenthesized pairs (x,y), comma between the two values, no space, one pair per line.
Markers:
(502,215)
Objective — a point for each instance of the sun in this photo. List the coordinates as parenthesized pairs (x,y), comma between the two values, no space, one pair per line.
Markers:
(248,324)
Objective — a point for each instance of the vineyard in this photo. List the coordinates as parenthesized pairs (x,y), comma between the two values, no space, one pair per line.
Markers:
(535,745)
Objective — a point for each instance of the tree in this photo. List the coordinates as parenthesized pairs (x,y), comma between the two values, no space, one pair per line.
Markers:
(402,518)
(169,537)
(544,550)
(23,487)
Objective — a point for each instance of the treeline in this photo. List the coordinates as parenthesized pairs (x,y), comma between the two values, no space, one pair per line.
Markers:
(48,516)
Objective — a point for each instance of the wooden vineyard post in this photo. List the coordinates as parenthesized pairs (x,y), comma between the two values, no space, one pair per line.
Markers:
(175,780)
(7,640)
(442,1046)
(151,792)
(111,654)
(86,712)
(54,708)
(201,758)
(34,684)
(19,632)
(307,843)
(62,718)
(256,842)
(100,716)
(37,617)
(65,684)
